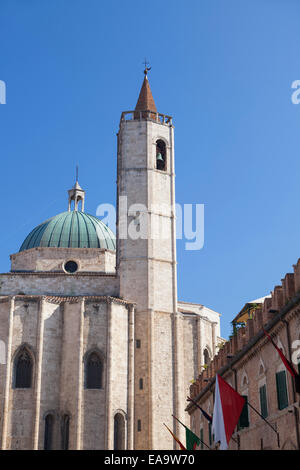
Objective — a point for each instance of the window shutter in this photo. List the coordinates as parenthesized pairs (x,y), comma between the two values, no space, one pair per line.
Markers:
(263,401)
(282,396)
(209,434)
(244,418)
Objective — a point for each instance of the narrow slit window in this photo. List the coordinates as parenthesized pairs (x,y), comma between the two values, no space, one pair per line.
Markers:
(281,386)
(119,432)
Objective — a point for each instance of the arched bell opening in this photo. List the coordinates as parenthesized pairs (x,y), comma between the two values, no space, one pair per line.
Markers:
(161,155)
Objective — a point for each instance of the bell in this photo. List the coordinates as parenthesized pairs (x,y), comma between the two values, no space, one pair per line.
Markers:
(159,157)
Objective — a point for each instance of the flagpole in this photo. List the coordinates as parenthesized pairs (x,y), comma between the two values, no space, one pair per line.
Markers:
(254,409)
(196,404)
(187,428)
(175,438)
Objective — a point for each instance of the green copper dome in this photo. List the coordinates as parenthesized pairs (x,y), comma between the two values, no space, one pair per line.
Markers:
(71,230)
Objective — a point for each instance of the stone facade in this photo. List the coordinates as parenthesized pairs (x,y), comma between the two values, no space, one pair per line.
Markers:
(50,259)
(248,362)
(121,307)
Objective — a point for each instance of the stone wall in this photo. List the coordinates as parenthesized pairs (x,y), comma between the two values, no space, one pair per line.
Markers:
(147,270)
(59,284)
(52,259)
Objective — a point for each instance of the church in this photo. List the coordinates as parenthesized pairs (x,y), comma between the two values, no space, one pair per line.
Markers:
(100,353)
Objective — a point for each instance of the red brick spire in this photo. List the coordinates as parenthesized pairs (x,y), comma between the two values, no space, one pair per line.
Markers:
(146,101)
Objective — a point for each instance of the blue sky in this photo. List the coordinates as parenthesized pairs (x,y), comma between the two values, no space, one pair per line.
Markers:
(223,70)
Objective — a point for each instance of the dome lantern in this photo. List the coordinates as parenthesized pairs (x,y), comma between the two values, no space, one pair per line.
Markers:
(76,194)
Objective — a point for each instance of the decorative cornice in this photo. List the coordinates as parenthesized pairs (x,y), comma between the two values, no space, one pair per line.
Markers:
(55,249)
(56,299)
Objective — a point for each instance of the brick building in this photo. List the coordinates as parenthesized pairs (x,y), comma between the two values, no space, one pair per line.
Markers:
(250,364)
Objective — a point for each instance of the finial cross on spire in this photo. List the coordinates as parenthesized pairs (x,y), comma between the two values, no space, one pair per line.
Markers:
(146,70)
(76,173)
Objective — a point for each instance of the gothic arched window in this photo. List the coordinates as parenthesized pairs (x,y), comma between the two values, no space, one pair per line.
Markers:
(65,432)
(93,371)
(23,369)
(48,436)
(160,155)
(119,432)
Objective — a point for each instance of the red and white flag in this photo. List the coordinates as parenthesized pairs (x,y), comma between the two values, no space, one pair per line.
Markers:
(227,410)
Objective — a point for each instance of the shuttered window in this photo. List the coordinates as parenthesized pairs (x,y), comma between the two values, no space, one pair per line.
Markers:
(263,401)
(282,396)
(244,418)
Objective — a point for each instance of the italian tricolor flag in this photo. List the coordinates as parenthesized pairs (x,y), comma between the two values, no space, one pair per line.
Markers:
(227,410)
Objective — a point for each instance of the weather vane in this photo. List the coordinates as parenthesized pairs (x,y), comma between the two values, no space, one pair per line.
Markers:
(146,68)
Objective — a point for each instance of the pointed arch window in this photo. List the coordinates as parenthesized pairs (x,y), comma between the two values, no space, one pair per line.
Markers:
(23,369)
(161,155)
(281,386)
(119,432)
(48,436)
(93,371)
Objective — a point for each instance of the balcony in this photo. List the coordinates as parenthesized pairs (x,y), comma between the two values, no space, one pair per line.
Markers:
(146,115)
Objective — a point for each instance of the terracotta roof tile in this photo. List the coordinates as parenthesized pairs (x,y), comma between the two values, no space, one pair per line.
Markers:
(145,101)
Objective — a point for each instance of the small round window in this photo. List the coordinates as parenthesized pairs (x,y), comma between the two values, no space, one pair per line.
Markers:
(71,267)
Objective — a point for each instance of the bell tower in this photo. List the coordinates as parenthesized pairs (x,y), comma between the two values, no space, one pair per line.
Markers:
(146,264)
